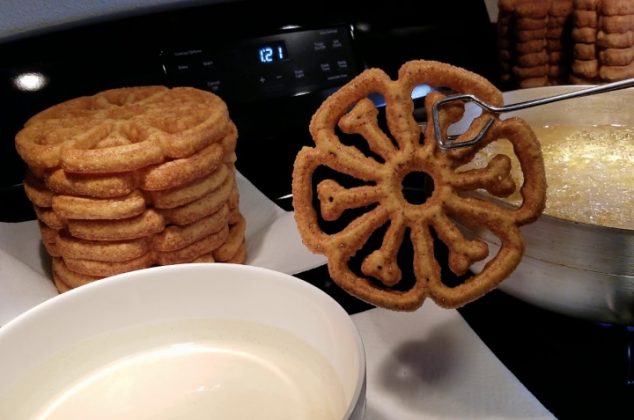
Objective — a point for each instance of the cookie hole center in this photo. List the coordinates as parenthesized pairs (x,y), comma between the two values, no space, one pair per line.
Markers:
(417,187)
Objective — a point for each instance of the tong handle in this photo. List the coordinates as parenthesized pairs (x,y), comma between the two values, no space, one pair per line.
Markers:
(621,84)
(450,144)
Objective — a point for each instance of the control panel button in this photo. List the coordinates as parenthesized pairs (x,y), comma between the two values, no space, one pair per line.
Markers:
(213,85)
(207,63)
(183,67)
(334,77)
(187,53)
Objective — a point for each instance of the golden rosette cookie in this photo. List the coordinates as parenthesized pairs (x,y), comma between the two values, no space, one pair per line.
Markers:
(358,166)
(133,177)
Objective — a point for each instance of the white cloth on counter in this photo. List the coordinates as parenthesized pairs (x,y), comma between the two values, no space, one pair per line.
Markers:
(422,365)
(430,364)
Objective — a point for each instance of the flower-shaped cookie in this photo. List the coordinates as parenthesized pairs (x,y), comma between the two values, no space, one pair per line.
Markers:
(382,208)
(124,129)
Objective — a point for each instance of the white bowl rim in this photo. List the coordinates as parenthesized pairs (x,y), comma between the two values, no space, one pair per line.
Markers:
(355,404)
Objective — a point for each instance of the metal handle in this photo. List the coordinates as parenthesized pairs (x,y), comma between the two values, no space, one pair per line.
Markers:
(577,94)
(449,143)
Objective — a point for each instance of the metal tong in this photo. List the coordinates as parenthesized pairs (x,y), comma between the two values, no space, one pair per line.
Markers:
(449,142)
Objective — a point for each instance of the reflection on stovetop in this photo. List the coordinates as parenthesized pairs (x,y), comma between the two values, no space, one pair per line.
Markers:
(575,368)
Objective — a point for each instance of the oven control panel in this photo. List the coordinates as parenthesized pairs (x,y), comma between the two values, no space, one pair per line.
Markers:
(289,63)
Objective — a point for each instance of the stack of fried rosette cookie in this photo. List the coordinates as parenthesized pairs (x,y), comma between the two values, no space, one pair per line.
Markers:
(549,42)
(532,42)
(133,177)
(356,173)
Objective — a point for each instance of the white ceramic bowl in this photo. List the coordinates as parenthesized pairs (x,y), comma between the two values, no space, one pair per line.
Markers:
(185,340)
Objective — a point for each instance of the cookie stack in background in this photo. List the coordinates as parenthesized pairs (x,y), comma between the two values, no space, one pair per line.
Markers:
(133,177)
(558,41)
(584,42)
(585,66)
(531,41)
(615,39)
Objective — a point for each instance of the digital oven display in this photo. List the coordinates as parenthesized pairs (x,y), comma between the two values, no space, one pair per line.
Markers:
(272,52)
(291,63)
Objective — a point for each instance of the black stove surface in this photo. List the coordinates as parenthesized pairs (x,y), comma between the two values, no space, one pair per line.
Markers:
(576,368)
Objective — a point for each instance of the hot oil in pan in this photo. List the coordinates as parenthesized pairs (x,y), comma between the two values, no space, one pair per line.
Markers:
(588,169)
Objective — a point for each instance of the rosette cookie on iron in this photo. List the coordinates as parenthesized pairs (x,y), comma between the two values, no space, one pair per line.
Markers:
(350,203)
